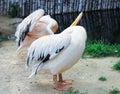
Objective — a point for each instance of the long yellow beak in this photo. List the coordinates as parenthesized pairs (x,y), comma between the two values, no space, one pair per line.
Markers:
(77,19)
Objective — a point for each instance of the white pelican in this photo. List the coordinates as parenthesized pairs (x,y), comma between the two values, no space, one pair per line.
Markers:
(34,26)
(57,53)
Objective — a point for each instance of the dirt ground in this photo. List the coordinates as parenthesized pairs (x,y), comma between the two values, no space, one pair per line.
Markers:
(14,75)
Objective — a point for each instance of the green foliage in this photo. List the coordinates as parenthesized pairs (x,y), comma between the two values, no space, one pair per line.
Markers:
(102,78)
(14,9)
(102,49)
(114,91)
(117,66)
(72,91)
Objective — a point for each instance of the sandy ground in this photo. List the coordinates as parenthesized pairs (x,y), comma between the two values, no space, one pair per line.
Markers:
(14,75)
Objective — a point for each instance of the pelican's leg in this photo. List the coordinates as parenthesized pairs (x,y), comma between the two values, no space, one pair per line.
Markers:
(58,85)
(65,82)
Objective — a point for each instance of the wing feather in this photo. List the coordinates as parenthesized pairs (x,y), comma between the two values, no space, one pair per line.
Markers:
(27,25)
(47,48)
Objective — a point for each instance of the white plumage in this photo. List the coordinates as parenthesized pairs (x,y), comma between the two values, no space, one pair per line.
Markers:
(28,23)
(53,53)
(59,52)
(47,48)
(33,26)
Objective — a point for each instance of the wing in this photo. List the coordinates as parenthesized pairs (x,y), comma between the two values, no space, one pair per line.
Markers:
(27,25)
(47,48)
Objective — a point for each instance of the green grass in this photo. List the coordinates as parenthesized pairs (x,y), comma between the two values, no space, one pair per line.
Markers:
(117,66)
(114,91)
(102,49)
(102,78)
(72,91)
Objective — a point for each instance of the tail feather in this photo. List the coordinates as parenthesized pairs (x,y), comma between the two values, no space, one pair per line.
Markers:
(30,56)
(19,49)
(28,61)
(35,69)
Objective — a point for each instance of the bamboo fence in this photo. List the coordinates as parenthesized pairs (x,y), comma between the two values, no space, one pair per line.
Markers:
(25,7)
